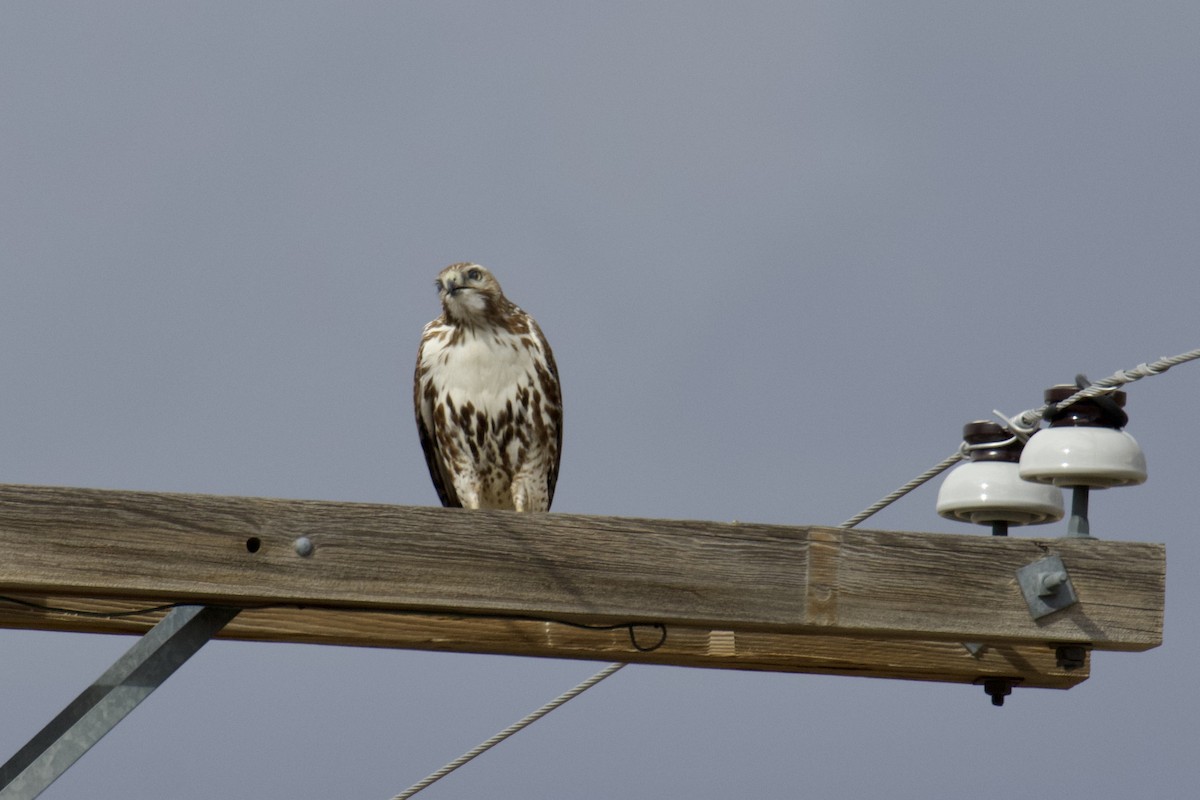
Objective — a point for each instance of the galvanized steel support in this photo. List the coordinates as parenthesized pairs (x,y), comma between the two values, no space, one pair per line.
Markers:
(107,701)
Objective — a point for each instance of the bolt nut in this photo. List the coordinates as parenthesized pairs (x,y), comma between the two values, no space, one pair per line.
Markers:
(1070,656)
(997,689)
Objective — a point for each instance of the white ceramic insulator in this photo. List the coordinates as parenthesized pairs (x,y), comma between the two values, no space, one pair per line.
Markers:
(1083,456)
(993,491)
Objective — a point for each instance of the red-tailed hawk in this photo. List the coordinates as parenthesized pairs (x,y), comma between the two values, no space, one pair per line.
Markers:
(486,395)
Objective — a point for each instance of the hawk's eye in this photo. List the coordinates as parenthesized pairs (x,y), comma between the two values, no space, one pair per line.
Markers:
(438,286)
(474,274)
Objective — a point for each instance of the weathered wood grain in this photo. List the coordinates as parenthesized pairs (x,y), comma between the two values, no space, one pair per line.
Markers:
(1030,665)
(707,575)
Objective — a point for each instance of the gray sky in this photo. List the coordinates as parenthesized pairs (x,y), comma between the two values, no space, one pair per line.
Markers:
(783,251)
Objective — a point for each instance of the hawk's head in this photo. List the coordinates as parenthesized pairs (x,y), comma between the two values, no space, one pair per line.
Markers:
(470,293)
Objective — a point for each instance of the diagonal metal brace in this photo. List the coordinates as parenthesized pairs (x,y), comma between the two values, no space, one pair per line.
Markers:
(99,708)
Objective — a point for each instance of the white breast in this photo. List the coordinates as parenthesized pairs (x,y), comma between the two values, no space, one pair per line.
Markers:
(486,369)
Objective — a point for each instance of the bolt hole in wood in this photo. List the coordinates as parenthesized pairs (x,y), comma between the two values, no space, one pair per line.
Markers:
(253,544)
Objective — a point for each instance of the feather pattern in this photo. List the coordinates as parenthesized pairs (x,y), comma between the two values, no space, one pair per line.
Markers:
(487,398)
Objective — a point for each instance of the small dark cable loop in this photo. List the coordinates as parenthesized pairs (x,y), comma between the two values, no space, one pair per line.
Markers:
(662,637)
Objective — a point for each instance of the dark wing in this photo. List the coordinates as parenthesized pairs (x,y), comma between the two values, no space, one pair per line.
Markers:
(552,392)
(423,399)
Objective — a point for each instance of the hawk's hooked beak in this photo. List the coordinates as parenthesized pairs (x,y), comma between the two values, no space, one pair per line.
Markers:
(452,287)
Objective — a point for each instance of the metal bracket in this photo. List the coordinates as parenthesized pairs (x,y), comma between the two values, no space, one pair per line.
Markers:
(150,661)
(1047,587)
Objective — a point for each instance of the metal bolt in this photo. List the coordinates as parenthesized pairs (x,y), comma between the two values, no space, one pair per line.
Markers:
(1048,582)
(1046,586)
(303,546)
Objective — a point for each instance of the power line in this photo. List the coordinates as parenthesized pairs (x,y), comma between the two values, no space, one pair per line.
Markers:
(520,724)
(888,499)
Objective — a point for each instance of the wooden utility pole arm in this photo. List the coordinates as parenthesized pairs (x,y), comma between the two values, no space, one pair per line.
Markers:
(291,558)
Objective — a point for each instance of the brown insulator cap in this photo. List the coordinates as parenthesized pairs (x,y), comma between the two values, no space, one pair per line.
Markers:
(982,432)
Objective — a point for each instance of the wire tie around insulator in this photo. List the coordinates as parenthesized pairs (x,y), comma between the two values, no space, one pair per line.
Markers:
(1147,369)
(969,448)
(1013,426)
